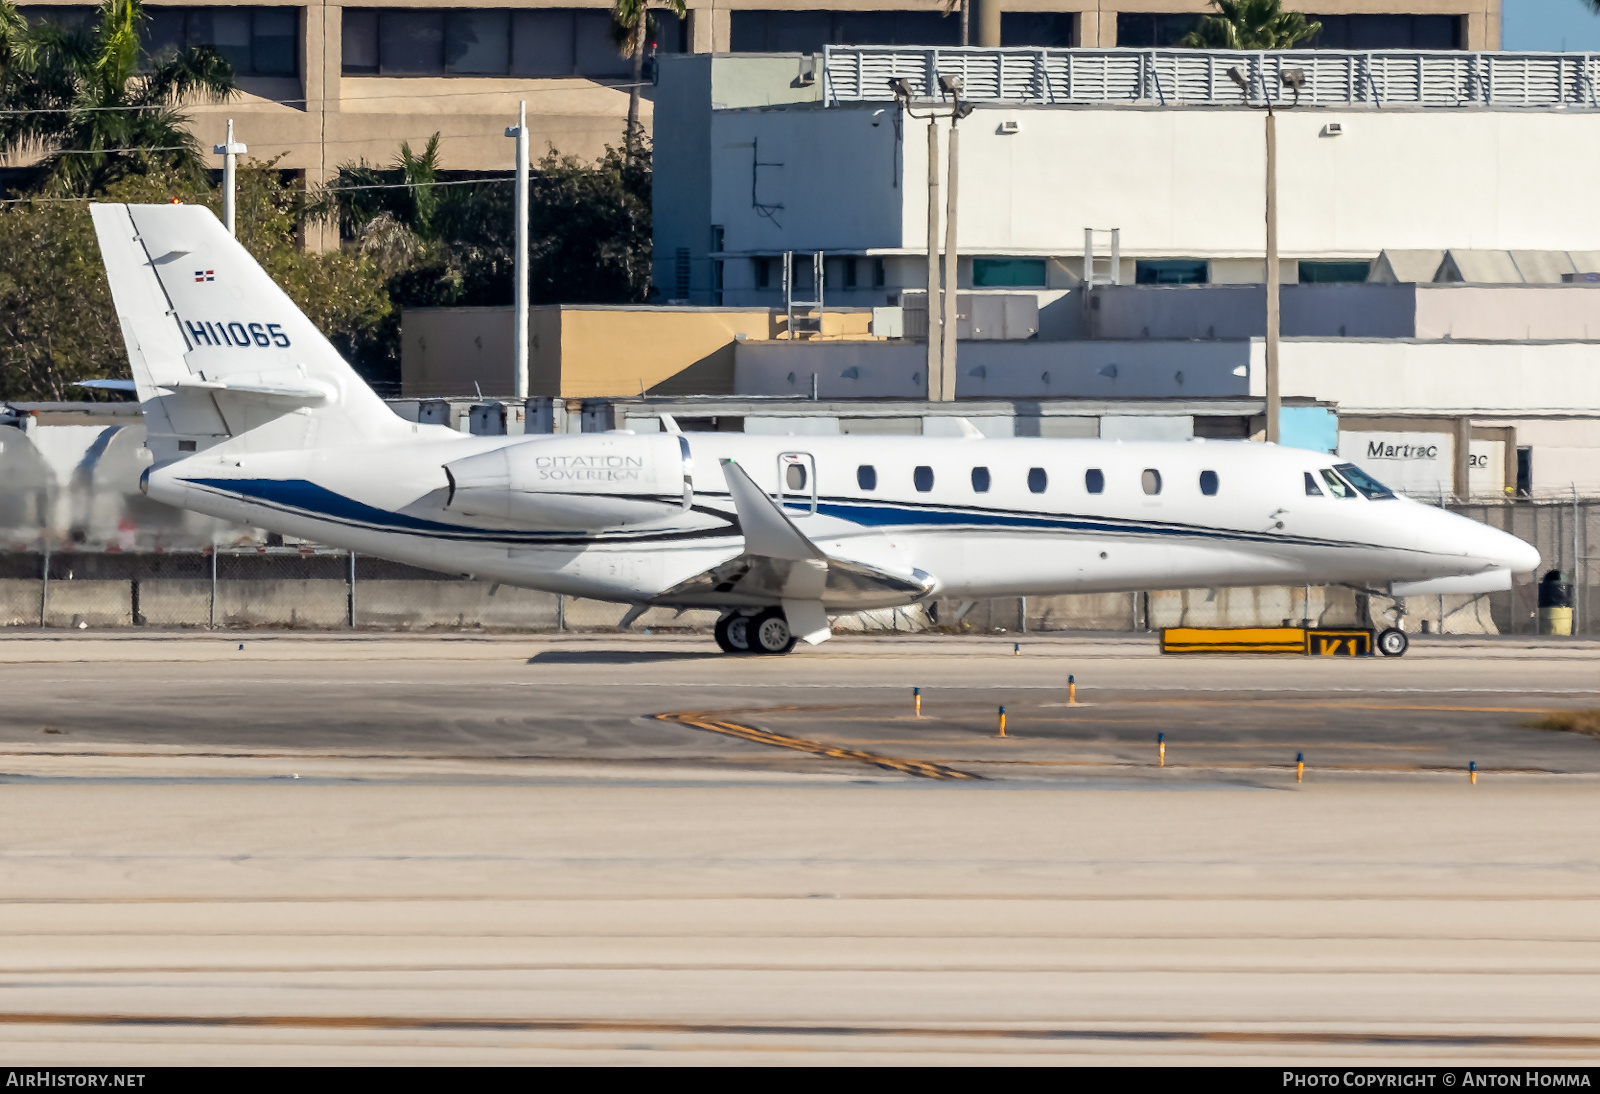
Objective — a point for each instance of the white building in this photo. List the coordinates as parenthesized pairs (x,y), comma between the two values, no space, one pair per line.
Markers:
(757,156)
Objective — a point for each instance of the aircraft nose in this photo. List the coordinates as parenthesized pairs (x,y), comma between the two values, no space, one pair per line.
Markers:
(1521,556)
(1501,549)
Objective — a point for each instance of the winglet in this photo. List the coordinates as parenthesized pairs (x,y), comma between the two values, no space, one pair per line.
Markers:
(767,528)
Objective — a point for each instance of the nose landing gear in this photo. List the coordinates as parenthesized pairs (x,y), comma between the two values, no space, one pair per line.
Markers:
(1392,642)
(767,632)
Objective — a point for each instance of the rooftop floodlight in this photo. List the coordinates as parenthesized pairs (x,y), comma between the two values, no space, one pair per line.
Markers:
(1293,78)
(901,87)
(950,85)
(1238,77)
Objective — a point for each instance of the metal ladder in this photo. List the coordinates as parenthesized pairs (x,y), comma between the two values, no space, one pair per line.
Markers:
(812,323)
(1099,268)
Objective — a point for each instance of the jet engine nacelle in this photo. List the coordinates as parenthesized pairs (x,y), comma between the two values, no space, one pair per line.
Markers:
(582,482)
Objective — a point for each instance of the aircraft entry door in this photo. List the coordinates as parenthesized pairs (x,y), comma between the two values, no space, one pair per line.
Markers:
(797,483)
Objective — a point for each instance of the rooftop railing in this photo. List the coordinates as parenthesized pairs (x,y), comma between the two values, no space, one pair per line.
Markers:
(1191,77)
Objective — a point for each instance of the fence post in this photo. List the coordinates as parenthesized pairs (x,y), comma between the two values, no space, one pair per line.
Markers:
(1577,563)
(561,611)
(350,599)
(211,613)
(44,584)
(1022,615)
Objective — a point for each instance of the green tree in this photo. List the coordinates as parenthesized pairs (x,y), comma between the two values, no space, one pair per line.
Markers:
(1250,24)
(589,228)
(447,242)
(97,108)
(631,25)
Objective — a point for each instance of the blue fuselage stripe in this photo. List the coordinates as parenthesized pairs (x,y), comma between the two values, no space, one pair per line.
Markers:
(307,499)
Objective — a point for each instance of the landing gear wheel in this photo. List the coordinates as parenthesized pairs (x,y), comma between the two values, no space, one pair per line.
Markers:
(1392,642)
(769,632)
(732,633)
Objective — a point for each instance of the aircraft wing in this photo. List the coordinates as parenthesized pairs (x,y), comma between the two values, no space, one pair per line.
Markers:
(780,563)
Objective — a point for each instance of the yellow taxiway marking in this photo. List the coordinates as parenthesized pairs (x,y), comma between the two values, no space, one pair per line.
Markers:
(707,720)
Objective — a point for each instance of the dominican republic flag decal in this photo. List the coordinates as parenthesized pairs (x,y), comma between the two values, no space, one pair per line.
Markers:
(205,275)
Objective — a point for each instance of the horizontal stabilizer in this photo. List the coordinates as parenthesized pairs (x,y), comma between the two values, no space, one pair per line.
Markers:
(291,396)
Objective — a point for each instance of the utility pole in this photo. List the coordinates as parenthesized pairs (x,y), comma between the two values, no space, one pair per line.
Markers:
(952,263)
(1294,79)
(230,153)
(1274,392)
(519,334)
(941,319)
(935,374)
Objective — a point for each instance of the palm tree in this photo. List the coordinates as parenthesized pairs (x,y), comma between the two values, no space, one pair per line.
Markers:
(99,113)
(1252,24)
(630,21)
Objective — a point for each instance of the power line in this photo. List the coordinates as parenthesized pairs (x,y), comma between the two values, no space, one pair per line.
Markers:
(520,92)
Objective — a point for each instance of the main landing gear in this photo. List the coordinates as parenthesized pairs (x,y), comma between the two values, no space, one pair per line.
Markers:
(766,632)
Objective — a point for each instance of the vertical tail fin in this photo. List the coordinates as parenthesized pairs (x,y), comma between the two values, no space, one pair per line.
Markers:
(218,349)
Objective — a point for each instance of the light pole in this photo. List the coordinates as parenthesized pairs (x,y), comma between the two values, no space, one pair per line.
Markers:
(941,359)
(230,153)
(1294,79)
(519,336)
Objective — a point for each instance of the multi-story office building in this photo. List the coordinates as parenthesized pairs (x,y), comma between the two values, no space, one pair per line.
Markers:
(326,84)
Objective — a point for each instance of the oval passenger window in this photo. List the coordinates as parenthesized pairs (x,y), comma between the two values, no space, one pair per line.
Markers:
(980,480)
(1151,481)
(1094,480)
(1208,483)
(1037,480)
(794,476)
(923,478)
(867,477)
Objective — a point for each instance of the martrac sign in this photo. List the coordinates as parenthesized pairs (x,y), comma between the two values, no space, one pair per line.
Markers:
(1422,465)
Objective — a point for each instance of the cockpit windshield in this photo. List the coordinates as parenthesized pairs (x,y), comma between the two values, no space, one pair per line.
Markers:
(1363,482)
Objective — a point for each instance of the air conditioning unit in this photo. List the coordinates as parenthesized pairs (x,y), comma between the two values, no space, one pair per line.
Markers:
(1008,128)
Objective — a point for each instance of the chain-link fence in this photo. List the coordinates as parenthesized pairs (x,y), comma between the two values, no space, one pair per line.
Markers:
(70,586)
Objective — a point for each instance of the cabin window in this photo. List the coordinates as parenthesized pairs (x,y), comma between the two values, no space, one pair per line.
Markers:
(1208,483)
(1337,486)
(1094,480)
(1363,482)
(867,477)
(1151,481)
(923,478)
(1312,489)
(1037,480)
(980,480)
(794,476)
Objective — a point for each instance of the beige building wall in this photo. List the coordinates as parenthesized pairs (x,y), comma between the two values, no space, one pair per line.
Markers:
(582,351)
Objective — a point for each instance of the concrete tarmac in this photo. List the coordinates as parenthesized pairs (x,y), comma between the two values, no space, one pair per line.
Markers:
(362,848)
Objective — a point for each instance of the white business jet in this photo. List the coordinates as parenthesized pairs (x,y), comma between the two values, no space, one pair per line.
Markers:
(253,417)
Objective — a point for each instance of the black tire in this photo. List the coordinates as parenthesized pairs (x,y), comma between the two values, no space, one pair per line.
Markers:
(1392,642)
(732,633)
(769,633)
